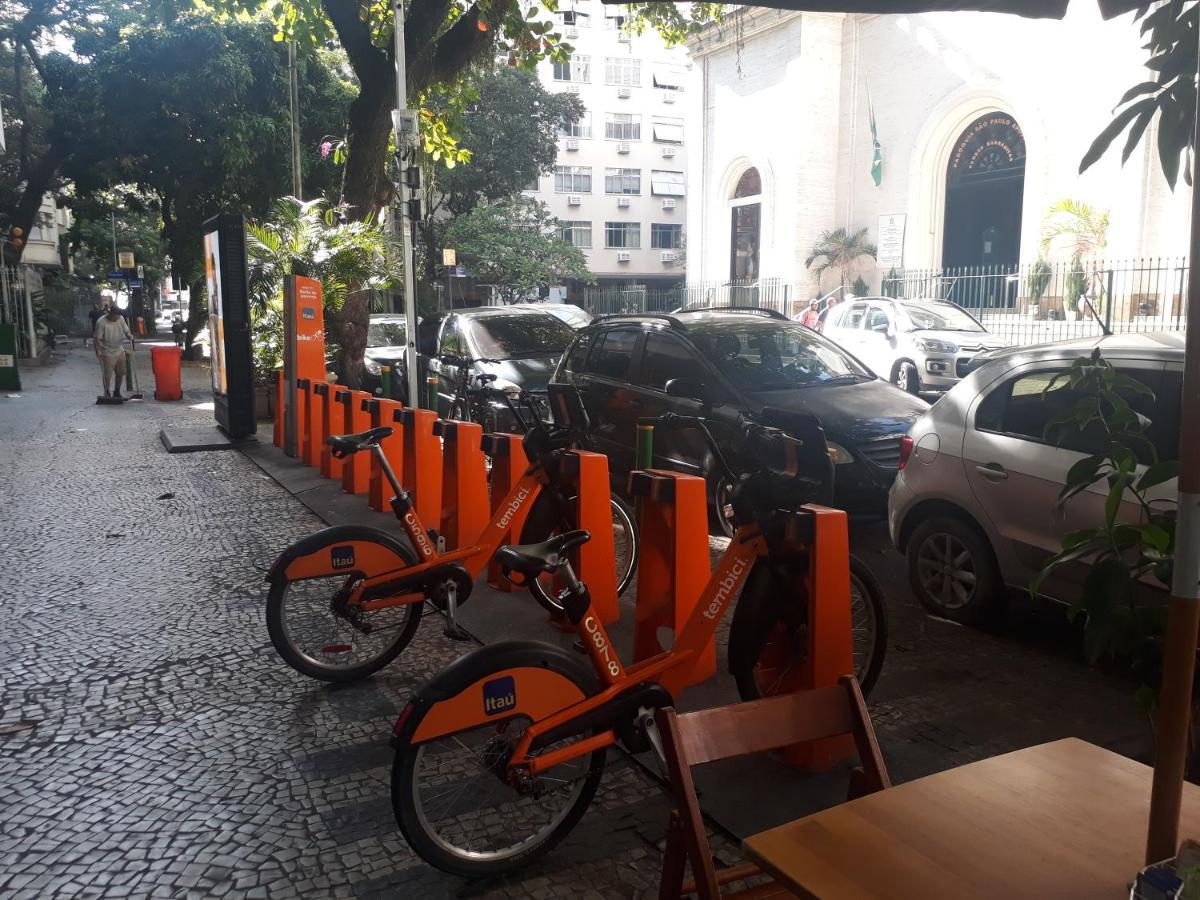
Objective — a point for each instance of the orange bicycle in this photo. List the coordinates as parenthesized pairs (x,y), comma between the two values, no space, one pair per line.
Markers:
(347,600)
(499,755)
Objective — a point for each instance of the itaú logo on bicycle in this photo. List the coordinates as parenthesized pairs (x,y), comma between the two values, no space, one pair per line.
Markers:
(517,502)
(499,695)
(418,535)
(725,589)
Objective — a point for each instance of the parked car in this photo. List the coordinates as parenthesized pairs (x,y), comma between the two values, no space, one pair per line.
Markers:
(386,346)
(730,363)
(573,315)
(973,507)
(918,345)
(520,347)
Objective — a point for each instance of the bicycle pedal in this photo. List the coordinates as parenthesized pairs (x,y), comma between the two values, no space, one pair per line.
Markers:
(455,633)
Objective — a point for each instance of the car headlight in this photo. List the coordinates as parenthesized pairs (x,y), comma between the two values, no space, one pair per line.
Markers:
(929,345)
(371,365)
(841,456)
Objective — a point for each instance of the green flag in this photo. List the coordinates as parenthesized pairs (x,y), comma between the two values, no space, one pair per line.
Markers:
(876,147)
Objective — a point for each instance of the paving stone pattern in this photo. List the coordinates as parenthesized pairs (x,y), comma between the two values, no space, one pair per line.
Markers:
(152,743)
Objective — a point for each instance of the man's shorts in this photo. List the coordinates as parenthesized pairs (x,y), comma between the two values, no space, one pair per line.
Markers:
(113,364)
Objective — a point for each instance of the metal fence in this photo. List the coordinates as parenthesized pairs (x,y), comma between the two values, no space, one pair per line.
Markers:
(772,293)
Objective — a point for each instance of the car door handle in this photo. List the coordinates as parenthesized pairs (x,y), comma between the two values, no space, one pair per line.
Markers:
(992,471)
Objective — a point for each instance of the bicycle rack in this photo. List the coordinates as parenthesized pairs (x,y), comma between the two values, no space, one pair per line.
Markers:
(509,463)
(830,632)
(379,492)
(356,417)
(294,443)
(422,472)
(464,512)
(331,422)
(310,437)
(597,558)
(674,561)
(277,383)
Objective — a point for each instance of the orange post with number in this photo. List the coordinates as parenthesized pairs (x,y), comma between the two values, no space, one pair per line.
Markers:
(508,465)
(593,513)
(673,566)
(356,469)
(422,475)
(277,435)
(332,416)
(311,444)
(464,482)
(379,491)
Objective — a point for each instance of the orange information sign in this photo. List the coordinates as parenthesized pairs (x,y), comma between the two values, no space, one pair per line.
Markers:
(303,349)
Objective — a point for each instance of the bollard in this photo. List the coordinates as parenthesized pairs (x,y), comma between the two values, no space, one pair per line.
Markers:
(597,565)
(332,417)
(643,455)
(356,469)
(422,474)
(277,434)
(508,465)
(385,381)
(296,448)
(431,393)
(674,564)
(830,634)
(464,512)
(311,436)
(379,491)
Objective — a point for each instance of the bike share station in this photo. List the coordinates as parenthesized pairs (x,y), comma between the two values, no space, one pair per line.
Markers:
(444,466)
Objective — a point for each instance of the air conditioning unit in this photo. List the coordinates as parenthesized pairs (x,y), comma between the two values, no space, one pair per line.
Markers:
(668,96)
(572,32)
(668,256)
(622,256)
(622,201)
(574,200)
(572,143)
(668,152)
(571,89)
(669,203)
(622,148)
(624,93)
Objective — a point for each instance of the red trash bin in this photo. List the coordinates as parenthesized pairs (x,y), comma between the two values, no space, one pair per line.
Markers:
(167,377)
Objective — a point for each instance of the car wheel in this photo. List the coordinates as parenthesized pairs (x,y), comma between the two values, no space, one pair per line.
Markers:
(907,378)
(953,572)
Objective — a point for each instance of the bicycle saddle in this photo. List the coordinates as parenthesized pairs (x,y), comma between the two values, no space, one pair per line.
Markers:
(344,445)
(485,378)
(533,559)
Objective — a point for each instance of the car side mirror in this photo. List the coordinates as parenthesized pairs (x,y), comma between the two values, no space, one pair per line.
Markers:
(689,389)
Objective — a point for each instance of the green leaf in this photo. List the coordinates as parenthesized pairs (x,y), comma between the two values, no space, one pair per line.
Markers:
(1146,87)
(1158,473)
(1115,127)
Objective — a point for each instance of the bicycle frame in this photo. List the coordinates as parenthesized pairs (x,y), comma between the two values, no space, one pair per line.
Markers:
(669,669)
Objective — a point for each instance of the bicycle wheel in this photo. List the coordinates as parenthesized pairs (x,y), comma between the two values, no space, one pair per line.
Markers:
(544,523)
(319,637)
(770,661)
(458,812)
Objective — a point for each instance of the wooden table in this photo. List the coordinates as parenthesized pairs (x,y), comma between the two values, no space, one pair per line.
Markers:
(1065,819)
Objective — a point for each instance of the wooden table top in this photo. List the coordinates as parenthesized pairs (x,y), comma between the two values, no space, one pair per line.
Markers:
(1065,819)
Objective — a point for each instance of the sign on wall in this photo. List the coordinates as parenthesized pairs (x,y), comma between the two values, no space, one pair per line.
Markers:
(889,253)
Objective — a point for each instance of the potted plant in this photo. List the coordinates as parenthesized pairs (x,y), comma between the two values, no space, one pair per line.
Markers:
(1036,283)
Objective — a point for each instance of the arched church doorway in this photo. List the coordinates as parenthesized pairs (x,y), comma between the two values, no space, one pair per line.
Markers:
(985,188)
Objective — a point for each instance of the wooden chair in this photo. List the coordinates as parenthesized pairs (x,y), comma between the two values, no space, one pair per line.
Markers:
(700,737)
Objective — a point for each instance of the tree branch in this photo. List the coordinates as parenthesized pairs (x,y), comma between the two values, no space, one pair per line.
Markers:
(448,56)
(369,62)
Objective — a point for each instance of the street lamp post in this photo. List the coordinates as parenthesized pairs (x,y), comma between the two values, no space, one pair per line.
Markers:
(404,124)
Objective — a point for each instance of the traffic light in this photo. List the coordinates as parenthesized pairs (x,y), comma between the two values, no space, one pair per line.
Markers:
(15,238)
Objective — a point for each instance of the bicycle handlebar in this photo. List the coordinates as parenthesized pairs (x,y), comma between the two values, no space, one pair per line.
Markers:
(764,439)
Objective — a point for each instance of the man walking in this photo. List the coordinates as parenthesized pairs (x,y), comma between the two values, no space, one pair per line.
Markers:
(112,332)
(95,314)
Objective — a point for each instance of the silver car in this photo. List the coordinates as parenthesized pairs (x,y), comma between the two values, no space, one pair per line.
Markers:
(973,506)
(918,345)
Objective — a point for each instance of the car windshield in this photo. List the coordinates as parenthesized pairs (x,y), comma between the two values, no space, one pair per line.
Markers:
(774,356)
(939,317)
(572,315)
(385,334)
(528,334)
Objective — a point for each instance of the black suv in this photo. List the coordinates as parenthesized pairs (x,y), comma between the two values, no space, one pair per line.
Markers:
(726,363)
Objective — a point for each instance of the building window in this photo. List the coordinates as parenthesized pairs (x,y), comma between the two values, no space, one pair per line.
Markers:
(623,235)
(665,236)
(572,179)
(745,231)
(573,18)
(580,129)
(623,126)
(534,185)
(749,185)
(666,184)
(667,131)
(622,181)
(668,78)
(576,233)
(613,22)
(577,68)
(622,71)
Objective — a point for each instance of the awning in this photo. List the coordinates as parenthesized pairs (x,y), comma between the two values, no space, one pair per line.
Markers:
(667,133)
(666,184)
(668,77)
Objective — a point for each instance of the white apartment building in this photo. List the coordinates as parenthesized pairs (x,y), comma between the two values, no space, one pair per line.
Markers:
(619,183)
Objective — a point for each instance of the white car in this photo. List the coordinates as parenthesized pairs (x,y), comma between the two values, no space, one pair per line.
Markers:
(918,345)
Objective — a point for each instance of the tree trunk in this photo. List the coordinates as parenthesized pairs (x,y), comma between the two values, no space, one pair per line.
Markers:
(353,319)
(41,177)
(366,187)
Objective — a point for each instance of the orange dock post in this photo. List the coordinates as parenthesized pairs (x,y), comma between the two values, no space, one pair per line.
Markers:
(508,465)
(332,416)
(303,387)
(356,469)
(311,438)
(830,634)
(674,561)
(464,483)
(422,474)
(379,492)
(593,513)
(277,435)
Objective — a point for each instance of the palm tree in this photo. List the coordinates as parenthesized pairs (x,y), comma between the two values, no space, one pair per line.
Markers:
(1084,226)
(839,249)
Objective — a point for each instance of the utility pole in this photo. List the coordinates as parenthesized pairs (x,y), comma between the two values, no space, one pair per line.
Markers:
(404,125)
(294,115)
(113,222)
